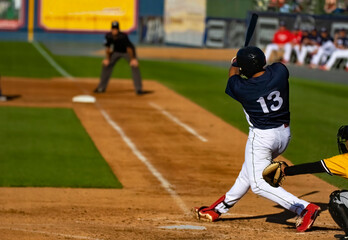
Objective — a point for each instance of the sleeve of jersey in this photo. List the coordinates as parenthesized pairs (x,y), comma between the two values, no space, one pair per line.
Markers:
(283,68)
(107,41)
(230,87)
(337,165)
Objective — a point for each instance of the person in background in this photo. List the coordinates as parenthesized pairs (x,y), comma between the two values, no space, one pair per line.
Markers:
(327,47)
(293,46)
(280,38)
(334,7)
(330,6)
(310,44)
(341,52)
(117,46)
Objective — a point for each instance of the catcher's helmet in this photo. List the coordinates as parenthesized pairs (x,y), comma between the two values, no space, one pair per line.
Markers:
(250,60)
(342,138)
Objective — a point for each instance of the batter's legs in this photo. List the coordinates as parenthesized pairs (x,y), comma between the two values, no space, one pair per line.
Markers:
(238,190)
(262,146)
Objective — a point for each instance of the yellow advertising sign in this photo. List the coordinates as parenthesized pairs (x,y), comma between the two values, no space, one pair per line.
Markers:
(87,15)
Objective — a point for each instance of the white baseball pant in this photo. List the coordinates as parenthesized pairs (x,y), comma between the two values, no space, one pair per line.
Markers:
(304,51)
(323,53)
(288,48)
(262,146)
(339,53)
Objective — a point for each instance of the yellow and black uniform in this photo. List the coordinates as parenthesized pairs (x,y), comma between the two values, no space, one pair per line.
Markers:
(337,165)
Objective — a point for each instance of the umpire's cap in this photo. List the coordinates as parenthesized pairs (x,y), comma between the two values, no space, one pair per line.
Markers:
(115,24)
(250,60)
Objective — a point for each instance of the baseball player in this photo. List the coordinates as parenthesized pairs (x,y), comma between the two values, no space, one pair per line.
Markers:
(117,46)
(337,165)
(293,45)
(327,47)
(341,51)
(264,95)
(310,45)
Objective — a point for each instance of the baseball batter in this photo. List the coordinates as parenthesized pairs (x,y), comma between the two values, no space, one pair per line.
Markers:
(117,46)
(264,95)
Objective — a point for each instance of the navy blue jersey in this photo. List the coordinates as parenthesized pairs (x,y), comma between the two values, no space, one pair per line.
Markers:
(325,39)
(342,41)
(265,99)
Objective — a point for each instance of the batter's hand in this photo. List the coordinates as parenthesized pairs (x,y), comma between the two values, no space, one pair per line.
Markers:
(134,62)
(234,59)
(106,62)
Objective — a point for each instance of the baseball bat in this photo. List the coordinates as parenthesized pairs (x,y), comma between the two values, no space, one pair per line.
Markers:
(251,28)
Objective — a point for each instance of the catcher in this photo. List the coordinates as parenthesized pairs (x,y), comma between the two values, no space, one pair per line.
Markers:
(338,165)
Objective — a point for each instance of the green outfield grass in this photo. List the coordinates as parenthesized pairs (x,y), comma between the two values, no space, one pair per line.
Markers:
(48,147)
(23,60)
(317,108)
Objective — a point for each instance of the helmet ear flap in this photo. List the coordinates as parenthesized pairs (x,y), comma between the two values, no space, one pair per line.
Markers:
(249,60)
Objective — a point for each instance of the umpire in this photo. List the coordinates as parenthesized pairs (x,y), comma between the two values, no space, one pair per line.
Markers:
(117,45)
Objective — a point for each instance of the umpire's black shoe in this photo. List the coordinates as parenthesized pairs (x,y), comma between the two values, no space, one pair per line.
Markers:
(99,90)
(141,92)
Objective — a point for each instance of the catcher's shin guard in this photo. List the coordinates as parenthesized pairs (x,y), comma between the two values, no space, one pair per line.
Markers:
(338,209)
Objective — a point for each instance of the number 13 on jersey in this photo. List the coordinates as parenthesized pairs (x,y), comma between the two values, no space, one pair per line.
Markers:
(276,99)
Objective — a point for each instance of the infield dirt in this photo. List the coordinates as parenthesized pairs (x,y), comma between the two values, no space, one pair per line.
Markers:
(199,172)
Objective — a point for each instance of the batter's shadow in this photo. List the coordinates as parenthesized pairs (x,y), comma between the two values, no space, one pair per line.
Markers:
(283,217)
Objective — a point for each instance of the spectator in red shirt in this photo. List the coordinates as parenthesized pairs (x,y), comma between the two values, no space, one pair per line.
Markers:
(293,45)
(280,38)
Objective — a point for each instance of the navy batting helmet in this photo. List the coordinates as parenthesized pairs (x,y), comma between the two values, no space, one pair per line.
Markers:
(250,60)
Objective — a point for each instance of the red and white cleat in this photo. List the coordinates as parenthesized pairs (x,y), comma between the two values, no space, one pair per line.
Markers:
(206,214)
(307,217)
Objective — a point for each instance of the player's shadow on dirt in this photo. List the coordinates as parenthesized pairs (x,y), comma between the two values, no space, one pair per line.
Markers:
(283,217)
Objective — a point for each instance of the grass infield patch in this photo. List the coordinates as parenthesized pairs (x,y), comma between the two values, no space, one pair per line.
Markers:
(48,147)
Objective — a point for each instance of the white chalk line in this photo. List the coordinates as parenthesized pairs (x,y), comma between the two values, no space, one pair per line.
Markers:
(165,184)
(177,121)
(51,61)
(50,233)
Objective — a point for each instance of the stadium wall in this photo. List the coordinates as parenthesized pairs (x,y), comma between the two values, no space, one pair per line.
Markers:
(150,23)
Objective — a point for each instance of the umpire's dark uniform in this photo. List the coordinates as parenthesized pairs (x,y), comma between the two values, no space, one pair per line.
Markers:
(117,46)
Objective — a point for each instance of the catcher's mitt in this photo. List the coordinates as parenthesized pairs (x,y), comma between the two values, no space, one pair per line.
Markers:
(273,173)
